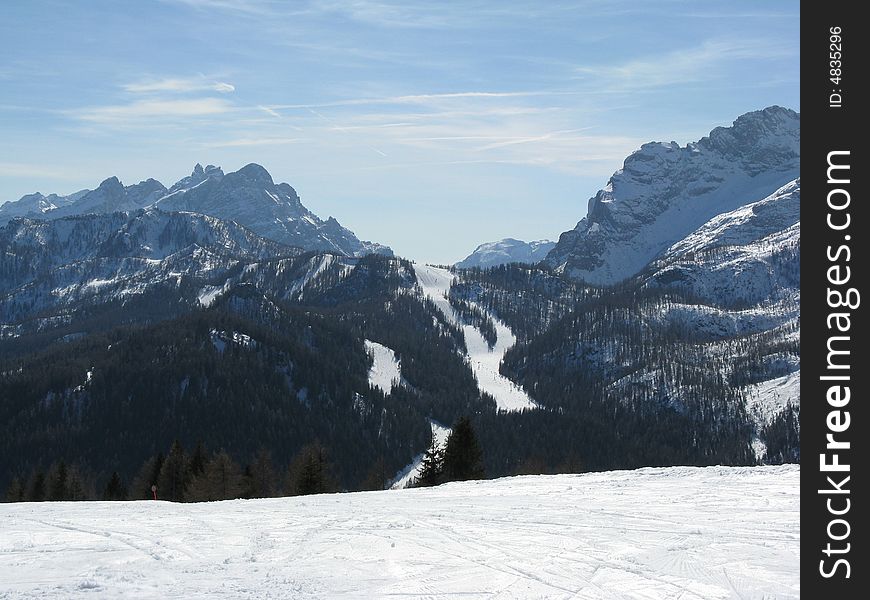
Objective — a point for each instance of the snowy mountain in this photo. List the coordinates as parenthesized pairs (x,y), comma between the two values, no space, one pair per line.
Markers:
(738,257)
(506,251)
(665,191)
(112,196)
(98,258)
(711,327)
(741,270)
(154,306)
(36,205)
(248,196)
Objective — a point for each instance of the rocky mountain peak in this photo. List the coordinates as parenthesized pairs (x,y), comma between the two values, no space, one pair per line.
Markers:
(665,191)
(759,140)
(111,184)
(197,176)
(251,174)
(248,196)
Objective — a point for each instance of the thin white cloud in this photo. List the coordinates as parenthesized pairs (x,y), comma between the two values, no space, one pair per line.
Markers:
(242,142)
(152,110)
(401,14)
(689,65)
(179,85)
(270,111)
(247,7)
(420,99)
(528,140)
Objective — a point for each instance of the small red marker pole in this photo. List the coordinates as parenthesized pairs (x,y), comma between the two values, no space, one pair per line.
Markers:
(154,491)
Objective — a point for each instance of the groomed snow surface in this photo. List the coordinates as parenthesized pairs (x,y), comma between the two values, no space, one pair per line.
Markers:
(678,533)
(484,361)
(386,371)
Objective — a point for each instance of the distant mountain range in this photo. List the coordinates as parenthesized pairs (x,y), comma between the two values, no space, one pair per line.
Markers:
(663,329)
(506,251)
(248,196)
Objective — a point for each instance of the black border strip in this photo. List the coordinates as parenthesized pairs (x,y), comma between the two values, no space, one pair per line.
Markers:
(831,114)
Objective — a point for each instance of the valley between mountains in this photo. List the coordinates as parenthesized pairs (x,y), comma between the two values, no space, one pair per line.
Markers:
(663,329)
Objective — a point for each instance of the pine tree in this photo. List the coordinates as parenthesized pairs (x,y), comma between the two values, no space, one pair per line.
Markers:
(15,491)
(59,486)
(173,478)
(260,476)
(310,472)
(198,459)
(36,489)
(77,487)
(154,476)
(221,480)
(432,468)
(463,459)
(376,479)
(147,476)
(115,489)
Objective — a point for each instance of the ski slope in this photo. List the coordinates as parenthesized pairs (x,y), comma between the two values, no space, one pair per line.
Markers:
(435,283)
(678,533)
(386,370)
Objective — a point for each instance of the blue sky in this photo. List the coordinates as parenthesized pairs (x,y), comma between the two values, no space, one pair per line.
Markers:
(428,126)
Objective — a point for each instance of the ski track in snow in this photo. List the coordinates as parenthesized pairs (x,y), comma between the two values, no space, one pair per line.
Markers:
(484,362)
(675,533)
(386,371)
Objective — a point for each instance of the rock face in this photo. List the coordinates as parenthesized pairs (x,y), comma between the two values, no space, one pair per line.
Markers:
(506,251)
(664,192)
(745,262)
(248,196)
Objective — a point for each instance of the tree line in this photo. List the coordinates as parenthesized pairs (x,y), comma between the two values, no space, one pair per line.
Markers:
(202,476)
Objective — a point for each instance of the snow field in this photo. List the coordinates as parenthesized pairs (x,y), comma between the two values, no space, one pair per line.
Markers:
(675,533)
(765,400)
(484,362)
(386,371)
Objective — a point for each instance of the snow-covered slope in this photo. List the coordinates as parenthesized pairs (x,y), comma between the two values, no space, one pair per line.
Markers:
(386,370)
(689,533)
(742,271)
(767,399)
(665,191)
(506,251)
(751,222)
(484,361)
(748,257)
